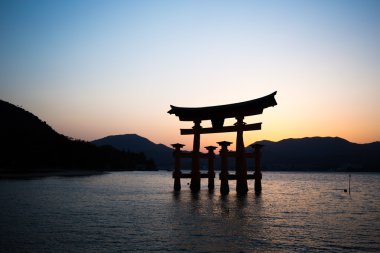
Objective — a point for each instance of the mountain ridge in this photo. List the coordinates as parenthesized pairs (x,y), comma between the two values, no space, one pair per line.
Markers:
(323,153)
(307,153)
(160,153)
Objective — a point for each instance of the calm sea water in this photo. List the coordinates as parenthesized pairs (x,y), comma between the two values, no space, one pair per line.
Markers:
(139,212)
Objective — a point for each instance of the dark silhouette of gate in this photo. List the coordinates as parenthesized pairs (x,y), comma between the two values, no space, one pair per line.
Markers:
(217,115)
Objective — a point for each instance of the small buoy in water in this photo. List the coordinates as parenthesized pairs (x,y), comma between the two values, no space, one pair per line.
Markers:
(345,190)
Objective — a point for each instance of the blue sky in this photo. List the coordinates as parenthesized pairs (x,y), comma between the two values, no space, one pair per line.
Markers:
(96,68)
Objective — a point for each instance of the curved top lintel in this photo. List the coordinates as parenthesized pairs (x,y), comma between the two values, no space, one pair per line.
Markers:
(247,108)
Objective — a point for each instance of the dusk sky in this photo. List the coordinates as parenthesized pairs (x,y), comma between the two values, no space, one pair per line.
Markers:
(97,68)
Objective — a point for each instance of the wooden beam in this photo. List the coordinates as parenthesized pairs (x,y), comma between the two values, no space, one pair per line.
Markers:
(233,154)
(202,175)
(186,155)
(233,176)
(190,155)
(211,130)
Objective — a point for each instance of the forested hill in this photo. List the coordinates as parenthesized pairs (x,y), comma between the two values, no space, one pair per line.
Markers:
(321,153)
(161,154)
(29,144)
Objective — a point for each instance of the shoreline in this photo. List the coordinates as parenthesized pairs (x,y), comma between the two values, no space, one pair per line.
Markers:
(42,174)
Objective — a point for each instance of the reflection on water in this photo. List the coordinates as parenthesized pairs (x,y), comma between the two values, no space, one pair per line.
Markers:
(139,212)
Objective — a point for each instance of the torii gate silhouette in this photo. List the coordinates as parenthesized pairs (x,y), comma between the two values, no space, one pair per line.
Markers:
(217,115)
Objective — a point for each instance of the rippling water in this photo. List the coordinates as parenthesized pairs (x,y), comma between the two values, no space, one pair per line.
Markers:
(138,212)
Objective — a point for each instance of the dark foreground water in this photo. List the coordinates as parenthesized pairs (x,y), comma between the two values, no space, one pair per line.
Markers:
(138,212)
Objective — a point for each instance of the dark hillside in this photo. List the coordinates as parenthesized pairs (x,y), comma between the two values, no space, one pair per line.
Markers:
(29,144)
(321,153)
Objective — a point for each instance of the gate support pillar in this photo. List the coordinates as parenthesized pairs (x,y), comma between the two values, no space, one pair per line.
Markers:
(224,187)
(257,175)
(177,169)
(241,163)
(211,170)
(195,184)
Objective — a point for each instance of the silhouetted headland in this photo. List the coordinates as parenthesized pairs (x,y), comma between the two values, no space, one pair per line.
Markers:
(31,146)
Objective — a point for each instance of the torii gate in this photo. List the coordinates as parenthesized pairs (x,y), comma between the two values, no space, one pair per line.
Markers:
(217,115)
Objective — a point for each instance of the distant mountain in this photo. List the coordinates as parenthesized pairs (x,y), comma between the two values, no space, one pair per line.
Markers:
(320,153)
(161,154)
(29,145)
(304,154)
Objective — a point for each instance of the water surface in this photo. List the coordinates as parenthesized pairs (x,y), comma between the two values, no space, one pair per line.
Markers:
(139,212)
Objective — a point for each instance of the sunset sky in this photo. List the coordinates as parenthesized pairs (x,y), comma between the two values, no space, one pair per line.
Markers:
(97,68)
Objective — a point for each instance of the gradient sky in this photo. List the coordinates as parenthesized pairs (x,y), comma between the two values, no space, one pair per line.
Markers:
(97,68)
